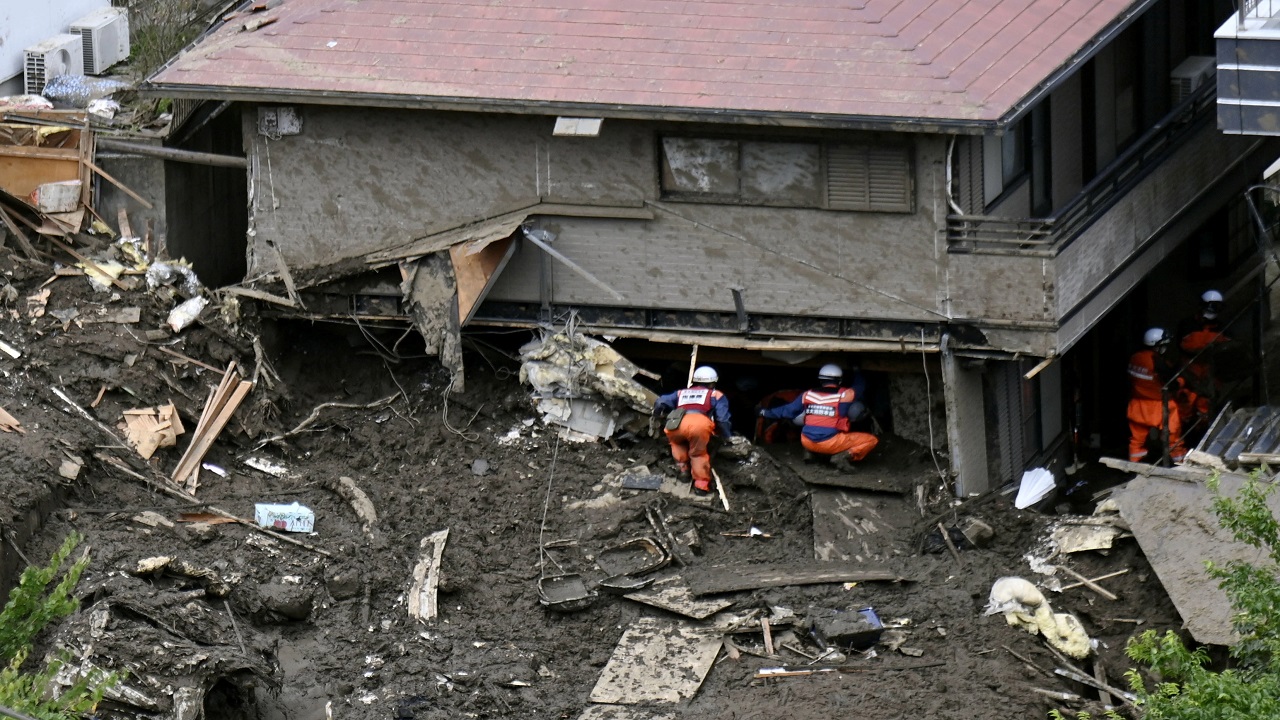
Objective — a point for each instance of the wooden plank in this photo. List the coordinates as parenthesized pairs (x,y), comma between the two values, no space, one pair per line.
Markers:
(196,451)
(656,661)
(426,577)
(475,273)
(871,481)
(19,176)
(672,594)
(728,578)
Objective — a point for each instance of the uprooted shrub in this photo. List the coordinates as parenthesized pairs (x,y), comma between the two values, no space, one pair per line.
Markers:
(32,606)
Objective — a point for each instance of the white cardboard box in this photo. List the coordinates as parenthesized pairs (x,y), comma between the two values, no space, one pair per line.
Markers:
(289,518)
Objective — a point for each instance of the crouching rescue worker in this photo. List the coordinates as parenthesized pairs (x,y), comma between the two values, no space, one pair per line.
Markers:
(694,414)
(826,413)
(1149,403)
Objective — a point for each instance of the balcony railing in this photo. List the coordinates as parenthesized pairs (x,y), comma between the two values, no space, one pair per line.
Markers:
(1257,10)
(1047,235)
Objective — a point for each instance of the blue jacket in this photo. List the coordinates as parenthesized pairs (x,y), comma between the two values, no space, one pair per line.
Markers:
(793,409)
(719,410)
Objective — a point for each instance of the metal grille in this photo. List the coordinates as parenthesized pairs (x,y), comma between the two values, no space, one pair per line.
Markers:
(33,73)
(86,42)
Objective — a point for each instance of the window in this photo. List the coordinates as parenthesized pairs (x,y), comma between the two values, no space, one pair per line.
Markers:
(787,174)
(1004,160)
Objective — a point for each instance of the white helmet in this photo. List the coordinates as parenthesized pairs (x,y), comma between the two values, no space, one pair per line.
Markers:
(831,372)
(1211,303)
(1154,337)
(705,374)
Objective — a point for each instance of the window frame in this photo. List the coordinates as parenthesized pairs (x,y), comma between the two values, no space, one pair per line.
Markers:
(822,174)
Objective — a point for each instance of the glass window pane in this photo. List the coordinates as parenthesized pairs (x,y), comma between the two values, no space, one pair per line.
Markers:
(696,165)
(776,173)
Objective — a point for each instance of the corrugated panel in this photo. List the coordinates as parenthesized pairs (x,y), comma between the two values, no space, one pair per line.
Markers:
(885,59)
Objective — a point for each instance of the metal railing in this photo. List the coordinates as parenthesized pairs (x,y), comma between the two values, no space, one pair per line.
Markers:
(1256,9)
(1047,235)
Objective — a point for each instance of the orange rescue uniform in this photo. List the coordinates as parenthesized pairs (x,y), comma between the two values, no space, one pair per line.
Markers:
(1147,407)
(706,412)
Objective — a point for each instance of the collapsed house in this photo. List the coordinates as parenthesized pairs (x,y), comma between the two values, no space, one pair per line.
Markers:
(1008,194)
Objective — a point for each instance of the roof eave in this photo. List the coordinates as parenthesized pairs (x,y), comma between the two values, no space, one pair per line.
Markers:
(1069,68)
(521,107)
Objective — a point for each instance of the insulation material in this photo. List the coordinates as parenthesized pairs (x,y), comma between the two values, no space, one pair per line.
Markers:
(583,385)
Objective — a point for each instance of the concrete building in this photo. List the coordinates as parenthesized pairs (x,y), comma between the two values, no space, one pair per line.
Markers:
(1010,189)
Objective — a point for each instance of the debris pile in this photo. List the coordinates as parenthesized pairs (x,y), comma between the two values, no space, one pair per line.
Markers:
(585,386)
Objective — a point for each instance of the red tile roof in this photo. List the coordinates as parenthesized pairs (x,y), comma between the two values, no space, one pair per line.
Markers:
(967,61)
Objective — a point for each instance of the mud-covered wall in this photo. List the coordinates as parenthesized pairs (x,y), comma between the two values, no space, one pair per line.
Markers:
(352,181)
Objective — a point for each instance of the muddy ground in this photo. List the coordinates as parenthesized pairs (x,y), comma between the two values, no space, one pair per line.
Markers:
(294,631)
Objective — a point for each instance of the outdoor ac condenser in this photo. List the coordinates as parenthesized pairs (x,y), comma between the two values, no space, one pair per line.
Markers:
(1190,74)
(59,55)
(104,35)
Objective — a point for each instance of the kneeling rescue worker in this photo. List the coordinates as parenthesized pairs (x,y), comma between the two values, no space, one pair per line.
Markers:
(694,414)
(826,412)
(1149,404)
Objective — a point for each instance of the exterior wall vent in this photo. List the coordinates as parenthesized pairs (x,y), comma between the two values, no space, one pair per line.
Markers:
(58,55)
(1190,75)
(104,35)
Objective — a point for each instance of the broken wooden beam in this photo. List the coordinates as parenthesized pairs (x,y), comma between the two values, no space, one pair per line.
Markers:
(728,578)
(426,577)
(123,188)
(1089,583)
(164,153)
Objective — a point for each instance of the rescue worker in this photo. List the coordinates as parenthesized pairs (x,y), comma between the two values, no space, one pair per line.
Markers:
(1149,370)
(826,412)
(1198,337)
(695,414)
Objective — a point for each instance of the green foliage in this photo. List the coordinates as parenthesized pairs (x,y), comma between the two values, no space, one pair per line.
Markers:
(29,610)
(159,29)
(32,606)
(1187,689)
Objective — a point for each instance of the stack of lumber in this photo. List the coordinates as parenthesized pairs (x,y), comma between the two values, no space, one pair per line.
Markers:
(150,428)
(222,404)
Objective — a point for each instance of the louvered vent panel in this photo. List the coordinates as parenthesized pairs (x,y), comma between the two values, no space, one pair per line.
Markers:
(847,178)
(86,40)
(889,179)
(34,74)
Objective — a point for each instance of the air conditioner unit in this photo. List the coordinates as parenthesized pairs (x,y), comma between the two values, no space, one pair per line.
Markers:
(59,55)
(104,34)
(1190,74)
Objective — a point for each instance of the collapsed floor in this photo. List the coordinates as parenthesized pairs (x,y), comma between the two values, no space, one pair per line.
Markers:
(235,623)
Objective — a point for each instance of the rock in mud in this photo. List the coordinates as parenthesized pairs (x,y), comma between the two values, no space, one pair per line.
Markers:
(344,584)
(286,599)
